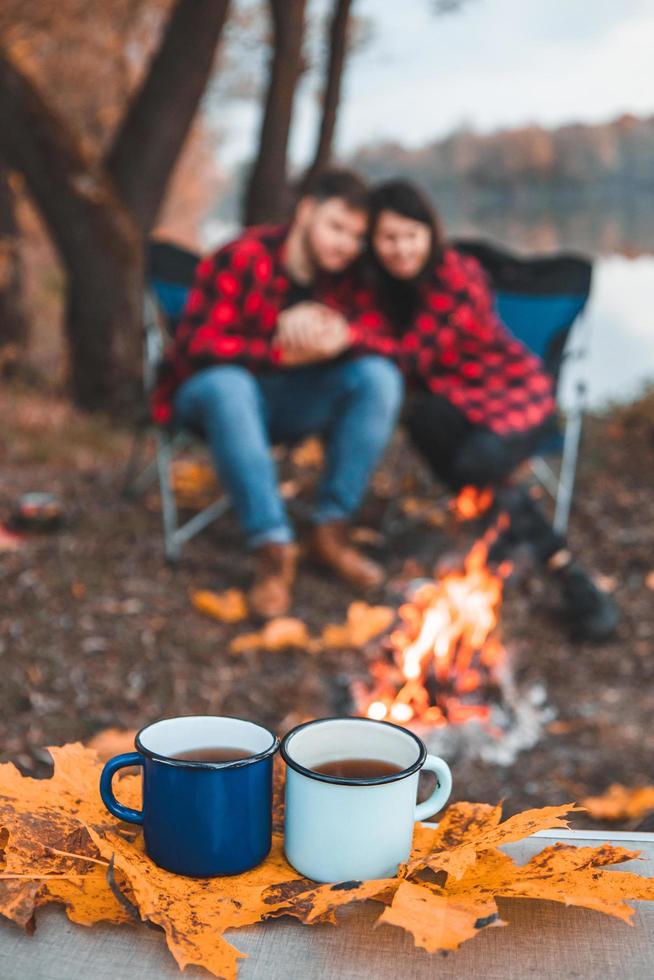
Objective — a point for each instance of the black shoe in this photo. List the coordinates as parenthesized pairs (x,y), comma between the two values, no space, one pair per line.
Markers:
(591,613)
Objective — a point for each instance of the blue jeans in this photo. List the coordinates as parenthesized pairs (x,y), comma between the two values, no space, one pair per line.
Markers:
(353,405)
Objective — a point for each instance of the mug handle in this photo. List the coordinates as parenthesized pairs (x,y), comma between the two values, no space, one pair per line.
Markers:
(106,789)
(441,794)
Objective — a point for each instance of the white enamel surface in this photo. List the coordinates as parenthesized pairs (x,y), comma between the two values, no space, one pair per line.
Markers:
(174,735)
(348,738)
(441,794)
(340,832)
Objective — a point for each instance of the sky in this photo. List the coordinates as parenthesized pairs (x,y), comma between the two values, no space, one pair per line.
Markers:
(494,64)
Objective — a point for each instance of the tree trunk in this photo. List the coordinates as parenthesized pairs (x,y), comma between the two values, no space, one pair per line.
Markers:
(338,38)
(157,122)
(267,194)
(96,238)
(13,321)
(97,215)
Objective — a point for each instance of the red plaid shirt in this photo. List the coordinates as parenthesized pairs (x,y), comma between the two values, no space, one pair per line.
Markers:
(457,347)
(231,314)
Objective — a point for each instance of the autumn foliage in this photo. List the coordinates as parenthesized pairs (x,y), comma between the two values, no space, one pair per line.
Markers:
(58,844)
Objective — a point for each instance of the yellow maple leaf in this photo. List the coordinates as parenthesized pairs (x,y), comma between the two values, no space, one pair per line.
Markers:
(438,922)
(48,855)
(194,913)
(278,634)
(363,623)
(561,873)
(229,606)
(621,803)
(112,741)
(308,454)
(468,828)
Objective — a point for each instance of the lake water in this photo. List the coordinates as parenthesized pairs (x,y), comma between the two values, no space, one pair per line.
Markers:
(618,327)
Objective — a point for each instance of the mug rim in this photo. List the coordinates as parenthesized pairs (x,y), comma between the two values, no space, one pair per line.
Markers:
(355,780)
(195,764)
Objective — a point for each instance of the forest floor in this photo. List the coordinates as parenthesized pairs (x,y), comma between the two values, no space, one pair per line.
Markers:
(97,631)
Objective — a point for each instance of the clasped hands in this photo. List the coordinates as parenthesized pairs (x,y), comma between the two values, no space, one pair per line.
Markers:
(310,332)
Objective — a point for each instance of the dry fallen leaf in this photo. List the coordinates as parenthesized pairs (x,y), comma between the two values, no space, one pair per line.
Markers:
(308,454)
(49,855)
(289,488)
(229,607)
(112,741)
(277,634)
(57,843)
(194,484)
(562,873)
(189,475)
(363,623)
(467,828)
(436,921)
(194,913)
(621,803)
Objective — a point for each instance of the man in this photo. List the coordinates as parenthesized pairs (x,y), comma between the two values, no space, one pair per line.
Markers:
(256,361)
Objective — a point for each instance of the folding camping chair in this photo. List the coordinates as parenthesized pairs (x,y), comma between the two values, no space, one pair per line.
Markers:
(540,299)
(169,275)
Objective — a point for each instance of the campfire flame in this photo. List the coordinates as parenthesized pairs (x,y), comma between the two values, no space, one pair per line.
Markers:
(445,647)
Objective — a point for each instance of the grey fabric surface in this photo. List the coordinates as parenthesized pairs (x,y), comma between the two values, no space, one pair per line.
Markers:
(542,940)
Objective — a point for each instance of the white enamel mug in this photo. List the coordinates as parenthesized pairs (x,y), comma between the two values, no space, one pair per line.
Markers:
(340,829)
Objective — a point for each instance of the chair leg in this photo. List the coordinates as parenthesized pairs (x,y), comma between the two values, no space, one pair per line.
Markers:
(570,455)
(168,502)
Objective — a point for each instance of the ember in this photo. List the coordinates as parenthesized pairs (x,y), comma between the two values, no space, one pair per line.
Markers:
(445,657)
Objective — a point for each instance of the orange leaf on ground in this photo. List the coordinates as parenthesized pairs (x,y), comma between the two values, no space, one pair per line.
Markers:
(277,634)
(363,623)
(112,741)
(193,483)
(191,476)
(228,607)
(438,922)
(314,904)
(49,855)
(621,803)
(561,873)
(468,828)
(194,913)
(308,454)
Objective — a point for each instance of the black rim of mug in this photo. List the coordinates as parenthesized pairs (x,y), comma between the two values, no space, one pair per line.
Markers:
(189,764)
(357,780)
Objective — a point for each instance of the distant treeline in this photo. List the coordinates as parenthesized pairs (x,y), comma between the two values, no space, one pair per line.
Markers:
(617,155)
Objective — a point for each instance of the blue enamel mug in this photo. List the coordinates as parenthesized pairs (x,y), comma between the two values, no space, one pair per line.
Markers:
(200,818)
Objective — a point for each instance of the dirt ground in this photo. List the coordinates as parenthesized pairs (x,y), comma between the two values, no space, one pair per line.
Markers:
(97,631)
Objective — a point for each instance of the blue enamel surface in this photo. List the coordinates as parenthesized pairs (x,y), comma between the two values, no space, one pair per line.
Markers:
(202,821)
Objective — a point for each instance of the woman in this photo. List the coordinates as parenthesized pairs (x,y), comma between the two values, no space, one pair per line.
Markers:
(481,402)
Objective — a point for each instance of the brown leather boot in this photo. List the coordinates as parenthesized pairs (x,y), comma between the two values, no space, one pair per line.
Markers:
(331,547)
(274,575)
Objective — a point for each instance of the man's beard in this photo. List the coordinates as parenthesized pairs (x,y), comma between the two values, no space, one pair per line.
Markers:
(310,254)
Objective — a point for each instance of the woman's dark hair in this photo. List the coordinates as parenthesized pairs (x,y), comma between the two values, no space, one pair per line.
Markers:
(401,298)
